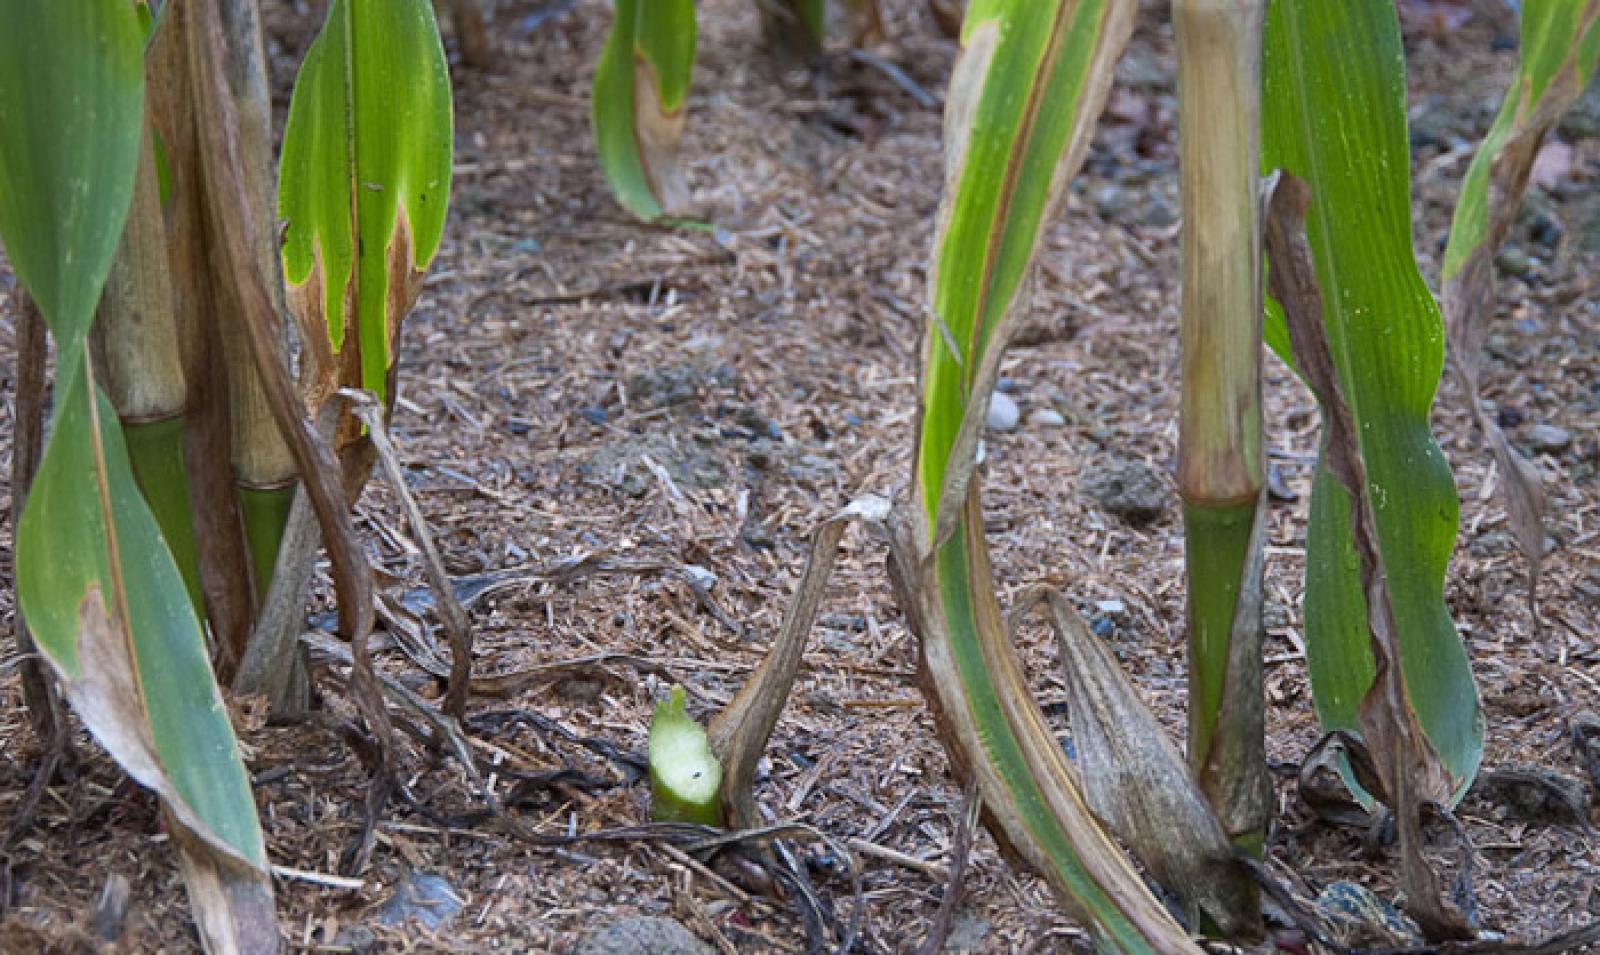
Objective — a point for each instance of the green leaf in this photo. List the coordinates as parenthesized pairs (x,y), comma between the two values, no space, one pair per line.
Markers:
(96,581)
(364,181)
(1334,115)
(71,94)
(102,593)
(684,774)
(640,83)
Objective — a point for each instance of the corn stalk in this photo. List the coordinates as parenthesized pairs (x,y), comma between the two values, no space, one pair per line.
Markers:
(100,588)
(1334,116)
(640,84)
(136,340)
(1220,456)
(1560,47)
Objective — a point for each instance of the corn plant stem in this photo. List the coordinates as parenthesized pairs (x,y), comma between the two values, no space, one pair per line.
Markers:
(264,467)
(1220,462)
(137,335)
(265,515)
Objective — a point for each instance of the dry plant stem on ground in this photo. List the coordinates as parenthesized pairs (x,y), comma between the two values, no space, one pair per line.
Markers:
(456,626)
(1558,57)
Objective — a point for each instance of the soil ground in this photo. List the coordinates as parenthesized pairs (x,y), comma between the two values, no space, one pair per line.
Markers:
(691,404)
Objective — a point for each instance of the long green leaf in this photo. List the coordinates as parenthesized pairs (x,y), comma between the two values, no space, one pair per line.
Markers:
(1032,78)
(96,581)
(640,84)
(1334,115)
(1560,46)
(364,183)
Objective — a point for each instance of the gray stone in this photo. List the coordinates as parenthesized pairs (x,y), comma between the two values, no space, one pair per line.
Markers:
(421,897)
(1549,439)
(678,384)
(1128,489)
(1046,418)
(1514,261)
(1003,412)
(1159,213)
(642,935)
(620,464)
(359,939)
(1112,202)
(967,933)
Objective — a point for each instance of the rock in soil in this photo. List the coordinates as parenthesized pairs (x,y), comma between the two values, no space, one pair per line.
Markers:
(1535,794)
(967,933)
(1586,745)
(1358,918)
(1548,439)
(1003,412)
(422,897)
(620,464)
(642,935)
(1128,489)
(678,384)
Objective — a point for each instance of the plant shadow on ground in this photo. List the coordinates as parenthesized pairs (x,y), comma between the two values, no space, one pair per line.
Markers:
(575,383)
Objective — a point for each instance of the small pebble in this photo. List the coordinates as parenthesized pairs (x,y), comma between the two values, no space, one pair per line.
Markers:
(1112,201)
(1046,418)
(1514,261)
(1003,412)
(642,935)
(1544,438)
(1160,214)
(423,897)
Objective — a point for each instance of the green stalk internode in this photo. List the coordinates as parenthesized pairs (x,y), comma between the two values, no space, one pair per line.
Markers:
(265,512)
(156,451)
(1217,550)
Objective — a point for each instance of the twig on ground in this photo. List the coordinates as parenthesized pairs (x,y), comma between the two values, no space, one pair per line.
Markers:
(960,850)
(456,627)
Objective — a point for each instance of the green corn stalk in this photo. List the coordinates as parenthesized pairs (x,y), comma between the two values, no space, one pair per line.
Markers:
(1334,115)
(685,776)
(364,183)
(99,586)
(136,338)
(265,474)
(640,84)
(1560,47)
(1030,82)
(1220,457)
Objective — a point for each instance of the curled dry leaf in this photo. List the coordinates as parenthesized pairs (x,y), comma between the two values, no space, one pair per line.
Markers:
(1138,783)
(1557,59)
